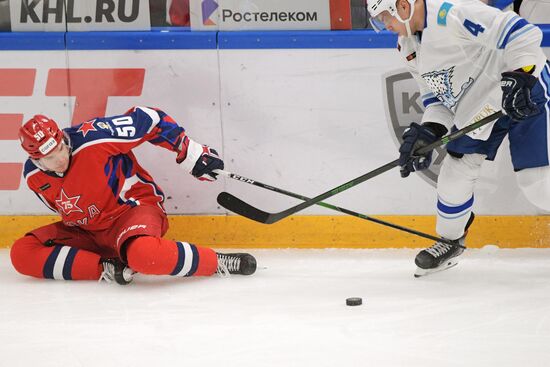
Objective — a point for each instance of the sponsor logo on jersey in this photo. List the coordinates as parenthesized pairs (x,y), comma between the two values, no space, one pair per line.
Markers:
(103,125)
(45,187)
(131,228)
(404,105)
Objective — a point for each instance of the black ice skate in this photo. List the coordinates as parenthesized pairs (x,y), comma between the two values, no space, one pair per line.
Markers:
(441,256)
(236,263)
(116,271)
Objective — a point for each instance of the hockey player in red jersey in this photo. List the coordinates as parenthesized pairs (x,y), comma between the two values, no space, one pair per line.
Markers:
(112,214)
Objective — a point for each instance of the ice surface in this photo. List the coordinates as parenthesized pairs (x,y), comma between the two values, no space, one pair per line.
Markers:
(492,310)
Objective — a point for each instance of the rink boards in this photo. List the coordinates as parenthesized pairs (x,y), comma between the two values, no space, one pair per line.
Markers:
(303,111)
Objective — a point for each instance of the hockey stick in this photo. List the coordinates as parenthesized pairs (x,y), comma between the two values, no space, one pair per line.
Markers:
(238,206)
(337,208)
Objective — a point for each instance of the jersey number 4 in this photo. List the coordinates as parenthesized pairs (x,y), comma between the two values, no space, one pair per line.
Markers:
(473,28)
(123,127)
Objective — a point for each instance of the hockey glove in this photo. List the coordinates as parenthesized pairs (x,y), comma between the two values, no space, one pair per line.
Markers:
(200,160)
(415,137)
(516,95)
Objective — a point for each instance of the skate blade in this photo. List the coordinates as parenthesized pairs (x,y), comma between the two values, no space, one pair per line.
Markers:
(451,263)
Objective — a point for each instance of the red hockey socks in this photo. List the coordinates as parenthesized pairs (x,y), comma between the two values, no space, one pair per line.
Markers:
(31,257)
(152,255)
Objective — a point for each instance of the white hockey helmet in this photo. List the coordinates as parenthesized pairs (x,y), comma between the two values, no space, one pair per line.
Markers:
(380,10)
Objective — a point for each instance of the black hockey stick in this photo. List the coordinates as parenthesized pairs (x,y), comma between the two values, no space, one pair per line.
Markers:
(337,208)
(238,206)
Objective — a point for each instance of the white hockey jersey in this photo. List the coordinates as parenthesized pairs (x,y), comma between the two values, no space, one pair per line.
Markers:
(458,58)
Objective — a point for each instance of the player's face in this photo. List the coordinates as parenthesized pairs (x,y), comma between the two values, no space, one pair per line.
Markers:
(57,160)
(389,20)
(386,20)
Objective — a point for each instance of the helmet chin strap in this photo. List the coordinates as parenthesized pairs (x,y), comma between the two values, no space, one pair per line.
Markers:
(407,21)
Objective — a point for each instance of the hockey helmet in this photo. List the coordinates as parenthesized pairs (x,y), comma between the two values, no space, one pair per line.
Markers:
(380,9)
(39,136)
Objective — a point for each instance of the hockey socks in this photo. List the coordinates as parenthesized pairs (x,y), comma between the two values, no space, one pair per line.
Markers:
(31,257)
(152,255)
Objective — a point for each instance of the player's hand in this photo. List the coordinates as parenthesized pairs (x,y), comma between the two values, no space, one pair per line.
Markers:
(415,137)
(201,161)
(206,164)
(516,95)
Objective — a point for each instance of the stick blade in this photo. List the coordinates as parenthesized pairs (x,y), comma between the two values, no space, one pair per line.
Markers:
(238,206)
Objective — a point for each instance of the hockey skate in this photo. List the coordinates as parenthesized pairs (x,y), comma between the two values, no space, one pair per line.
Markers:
(236,263)
(441,256)
(116,271)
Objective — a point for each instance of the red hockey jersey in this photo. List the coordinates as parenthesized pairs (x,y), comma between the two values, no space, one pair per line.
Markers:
(104,178)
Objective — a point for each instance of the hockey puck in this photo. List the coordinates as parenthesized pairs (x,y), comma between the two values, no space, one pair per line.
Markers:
(354,301)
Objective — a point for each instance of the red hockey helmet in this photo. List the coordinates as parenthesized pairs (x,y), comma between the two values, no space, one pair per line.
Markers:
(39,136)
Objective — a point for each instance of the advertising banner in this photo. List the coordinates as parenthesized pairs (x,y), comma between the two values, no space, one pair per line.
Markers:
(79,15)
(227,15)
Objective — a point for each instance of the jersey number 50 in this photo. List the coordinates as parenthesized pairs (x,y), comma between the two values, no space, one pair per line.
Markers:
(122,126)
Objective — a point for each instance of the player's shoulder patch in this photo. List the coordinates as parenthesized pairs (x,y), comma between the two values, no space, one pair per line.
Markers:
(443,12)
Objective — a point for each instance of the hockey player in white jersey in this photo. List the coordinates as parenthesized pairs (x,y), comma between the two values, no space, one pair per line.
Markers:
(469,61)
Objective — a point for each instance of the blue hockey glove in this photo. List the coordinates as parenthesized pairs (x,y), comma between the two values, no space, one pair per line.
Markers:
(516,95)
(415,137)
(200,160)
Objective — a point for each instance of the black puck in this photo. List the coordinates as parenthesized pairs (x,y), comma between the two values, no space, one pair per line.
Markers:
(354,301)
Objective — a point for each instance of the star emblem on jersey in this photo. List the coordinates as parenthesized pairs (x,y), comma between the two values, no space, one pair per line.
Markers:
(67,204)
(86,127)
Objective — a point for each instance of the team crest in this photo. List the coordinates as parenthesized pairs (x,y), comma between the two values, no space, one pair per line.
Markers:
(440,83)
(68,204)
(403,106)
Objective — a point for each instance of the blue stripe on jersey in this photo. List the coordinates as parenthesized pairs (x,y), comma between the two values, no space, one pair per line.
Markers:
(510,28)
(170,133)
(448,209)
(47,271)
(195,263)
(113,181)
(68,266)
(545,77)
(112,166)
(519,34)
(127,165)
(157,189)
(430,101)
(181,259)
(507,27)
